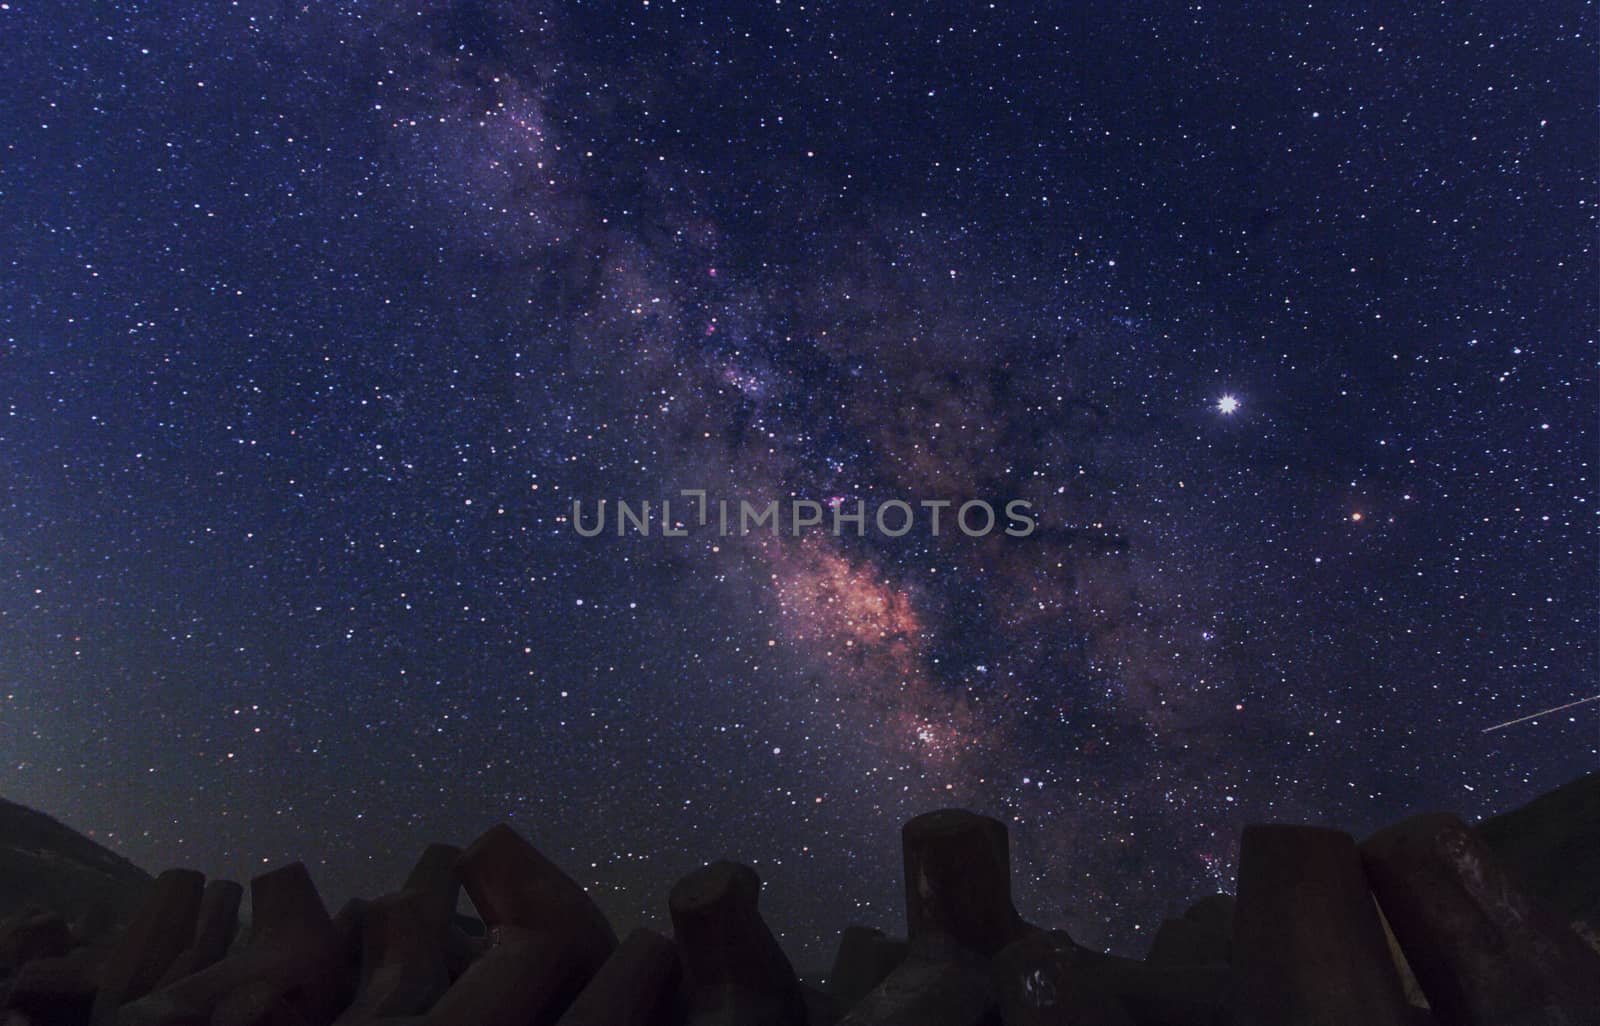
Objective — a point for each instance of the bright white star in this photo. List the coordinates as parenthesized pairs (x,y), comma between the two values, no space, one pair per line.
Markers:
(1227,404)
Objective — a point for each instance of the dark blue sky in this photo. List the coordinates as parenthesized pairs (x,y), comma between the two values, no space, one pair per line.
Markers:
(316,320)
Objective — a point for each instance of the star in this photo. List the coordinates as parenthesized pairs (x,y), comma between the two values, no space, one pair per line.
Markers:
(1228,405)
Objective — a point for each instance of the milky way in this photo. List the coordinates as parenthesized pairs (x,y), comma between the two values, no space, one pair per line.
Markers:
(319,319)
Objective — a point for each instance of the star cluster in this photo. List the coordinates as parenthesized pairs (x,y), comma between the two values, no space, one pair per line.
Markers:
(319,318)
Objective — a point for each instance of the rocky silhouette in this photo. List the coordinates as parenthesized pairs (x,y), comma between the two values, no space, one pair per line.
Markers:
(1428,921)
(1551,846)
(47,865)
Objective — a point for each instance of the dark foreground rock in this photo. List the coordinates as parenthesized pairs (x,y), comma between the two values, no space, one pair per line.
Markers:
(1308,946)
(44,864)
(1203,935)
(293,960)
(32,935)
(1042,981)
(1551,847)
(1305,944)
(524,978)
(1168,995)
(637,986)
(402,959)
(511,883)
(160,931)
(1483,951)
(865,959)
(959,915)
(925,991)
(958,882)
(735,974)
(60,991)
(215,928)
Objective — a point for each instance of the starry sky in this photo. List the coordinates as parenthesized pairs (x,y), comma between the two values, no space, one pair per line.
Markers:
(318,317)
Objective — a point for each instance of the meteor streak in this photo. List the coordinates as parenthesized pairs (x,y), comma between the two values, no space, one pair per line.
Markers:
(1543,712)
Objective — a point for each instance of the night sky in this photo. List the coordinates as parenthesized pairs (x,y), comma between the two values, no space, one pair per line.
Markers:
(316,318)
